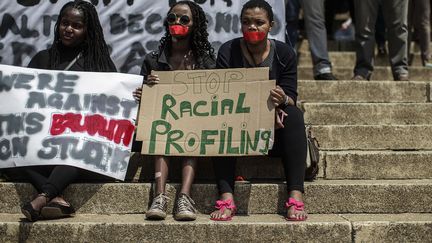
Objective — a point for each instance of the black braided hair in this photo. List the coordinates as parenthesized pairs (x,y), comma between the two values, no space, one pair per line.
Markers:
(95,50)
(258,4)
(200,45)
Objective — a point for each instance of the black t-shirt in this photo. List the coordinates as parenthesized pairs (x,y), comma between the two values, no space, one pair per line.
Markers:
(283,68)
(158,61)
(42,60)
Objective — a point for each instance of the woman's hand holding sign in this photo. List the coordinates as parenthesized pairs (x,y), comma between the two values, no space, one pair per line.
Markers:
(151,80)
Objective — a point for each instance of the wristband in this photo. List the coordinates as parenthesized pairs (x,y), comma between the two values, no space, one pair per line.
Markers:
(286,102)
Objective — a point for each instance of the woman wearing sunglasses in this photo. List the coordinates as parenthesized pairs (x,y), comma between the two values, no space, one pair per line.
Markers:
(185,46)
(254,49)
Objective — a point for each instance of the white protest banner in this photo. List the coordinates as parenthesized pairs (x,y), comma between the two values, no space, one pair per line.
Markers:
(221,112)
(131,28)
(82,119)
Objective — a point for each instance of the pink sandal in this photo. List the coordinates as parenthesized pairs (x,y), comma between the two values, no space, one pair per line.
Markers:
(222,205)
(298,206)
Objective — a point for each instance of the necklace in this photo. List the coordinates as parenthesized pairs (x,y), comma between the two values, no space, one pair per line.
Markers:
(189,60)
(251,55)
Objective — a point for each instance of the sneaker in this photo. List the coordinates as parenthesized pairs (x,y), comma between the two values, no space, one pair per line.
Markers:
(402,77)
(325,76)
(158,208)
(426,64)
(184,210)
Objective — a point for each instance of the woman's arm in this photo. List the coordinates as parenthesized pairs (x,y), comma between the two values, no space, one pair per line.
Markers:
(287,78)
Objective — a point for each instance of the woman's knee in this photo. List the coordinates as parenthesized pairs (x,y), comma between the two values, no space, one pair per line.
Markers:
(294,118)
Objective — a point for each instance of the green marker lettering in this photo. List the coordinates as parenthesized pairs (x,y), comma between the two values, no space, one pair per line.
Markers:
(205,140)
(171,138)
(249,143)
(265,135)
(185,107)
(230,149)
(240,108)
(156,130)
(222,141)
(167,108)
(195,108)
(227,103)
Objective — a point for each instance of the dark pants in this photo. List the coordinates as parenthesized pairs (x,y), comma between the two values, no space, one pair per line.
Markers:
(290,145)
(395,17)
(292,10)
(380,29)
(51,180)
(419,20)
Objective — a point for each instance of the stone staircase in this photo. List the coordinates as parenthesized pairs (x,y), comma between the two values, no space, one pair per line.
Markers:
(375,181)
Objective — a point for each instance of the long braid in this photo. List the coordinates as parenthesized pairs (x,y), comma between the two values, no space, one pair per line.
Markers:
(200,44)
(95,50)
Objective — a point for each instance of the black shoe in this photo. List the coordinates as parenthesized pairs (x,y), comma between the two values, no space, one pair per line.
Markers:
(325,76)
(54,210)
(30,213)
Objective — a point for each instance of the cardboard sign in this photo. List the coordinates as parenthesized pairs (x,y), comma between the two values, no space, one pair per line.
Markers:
(221,112)
(82,119)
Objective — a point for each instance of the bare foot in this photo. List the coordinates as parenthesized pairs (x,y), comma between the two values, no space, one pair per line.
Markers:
(297,212)
(225,208)
(221,215)
(60,200)
(39,202)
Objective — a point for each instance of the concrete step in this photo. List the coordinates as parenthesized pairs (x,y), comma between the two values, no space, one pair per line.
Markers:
(253,228)
(379,73)
(349,164)
(348,59)
(363,91)
(133,228)
(374,137)
(367,113)
(333,165)
(322,196)
(377,165)
(391,228)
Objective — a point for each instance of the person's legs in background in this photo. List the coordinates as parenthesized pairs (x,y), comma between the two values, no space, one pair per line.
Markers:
(317,36)
(420,16)
(396,19)
(365,18)
(292,8)
(380,33)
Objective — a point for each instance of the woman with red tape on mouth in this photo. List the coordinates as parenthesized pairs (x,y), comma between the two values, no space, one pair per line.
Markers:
(254,49)
(185,46)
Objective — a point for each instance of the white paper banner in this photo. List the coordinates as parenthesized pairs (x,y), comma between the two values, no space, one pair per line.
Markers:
(132,28)
(83,119)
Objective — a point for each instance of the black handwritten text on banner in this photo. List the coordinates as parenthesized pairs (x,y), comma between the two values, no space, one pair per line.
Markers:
(82,119)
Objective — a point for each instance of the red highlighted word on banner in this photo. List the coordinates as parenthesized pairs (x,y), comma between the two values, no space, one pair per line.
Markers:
(113,130)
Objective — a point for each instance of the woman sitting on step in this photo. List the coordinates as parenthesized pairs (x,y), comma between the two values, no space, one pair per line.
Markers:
(185,46)
(78,45)
(254,49)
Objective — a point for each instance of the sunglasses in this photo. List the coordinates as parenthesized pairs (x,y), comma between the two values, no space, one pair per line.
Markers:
(172,18)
